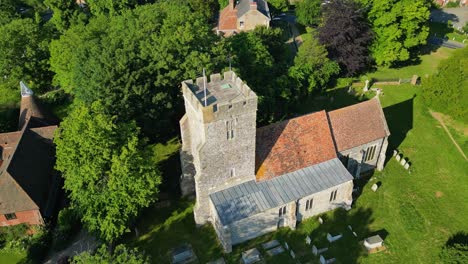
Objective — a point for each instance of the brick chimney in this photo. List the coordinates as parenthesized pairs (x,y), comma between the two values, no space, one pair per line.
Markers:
(253,5)
(231,4)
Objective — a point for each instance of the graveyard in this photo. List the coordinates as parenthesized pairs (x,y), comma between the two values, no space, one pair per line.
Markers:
(416,207)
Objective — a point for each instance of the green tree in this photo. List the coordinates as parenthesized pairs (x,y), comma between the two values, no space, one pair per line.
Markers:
(312,68)
(65,13)
(445,91)
(7,11)
(110,7)
(278,5)
(121,255)
(24,55)
(223,3)
(108,175)
(308,12)
(400,26)
(207,8)
(134,62)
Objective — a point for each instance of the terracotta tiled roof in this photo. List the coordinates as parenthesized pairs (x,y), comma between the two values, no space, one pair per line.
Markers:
(292,145)
(228,19)
(358,124)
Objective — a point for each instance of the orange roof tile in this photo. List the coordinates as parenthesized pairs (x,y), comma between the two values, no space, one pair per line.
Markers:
(358,124)
(292,145)
(228,19)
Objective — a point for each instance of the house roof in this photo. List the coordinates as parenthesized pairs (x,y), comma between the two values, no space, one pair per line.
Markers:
(244,6)
(358,124)
(252,197)
(227,19)
(25,174)
(292,145)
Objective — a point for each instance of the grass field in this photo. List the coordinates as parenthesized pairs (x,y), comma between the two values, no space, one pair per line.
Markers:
(415,212)
(11,258)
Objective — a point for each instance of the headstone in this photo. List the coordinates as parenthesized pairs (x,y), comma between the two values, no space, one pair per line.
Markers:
(395,152)
(332,239)
(398,157)
(308,240)
(183,254)
(292,254)
(275,251)
(373,242)
(322,260)
(320,220)
(414,80)
(286,245)
(366,88)
(314,250)
(374,187)
(251,256)
(403,162)
(354,234)
(407,166)
(350,228)
(270,244)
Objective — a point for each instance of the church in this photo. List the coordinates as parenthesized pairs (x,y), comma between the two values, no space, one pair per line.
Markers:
(249,181)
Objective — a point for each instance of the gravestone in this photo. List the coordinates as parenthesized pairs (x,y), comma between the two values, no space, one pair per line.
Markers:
(332,239)
(292,254)
(320,220)
(251,256)
(354,234)
(403,162)
(407,166)
(183,254)
(395,152)
(286,245)
(271,244)
(316,251)
(350,228)
(414,80)
(366,88)
(275,251)
(398,157)
(374,187)
(308,240)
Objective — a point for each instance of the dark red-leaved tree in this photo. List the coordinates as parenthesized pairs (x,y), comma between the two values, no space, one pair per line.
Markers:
(346,34)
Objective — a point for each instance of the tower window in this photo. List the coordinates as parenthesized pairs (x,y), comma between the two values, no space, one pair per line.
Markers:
(309,204)
(282,211)
(370,153)
(333,195)
(230,129)
(233,172)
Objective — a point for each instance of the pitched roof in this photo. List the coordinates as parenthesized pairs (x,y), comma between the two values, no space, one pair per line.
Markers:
(25,174)
(358,124)
(244,6)
(227,19)
(292,145)
(252,197)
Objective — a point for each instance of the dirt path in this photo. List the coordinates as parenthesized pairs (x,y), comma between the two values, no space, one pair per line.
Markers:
(439,118)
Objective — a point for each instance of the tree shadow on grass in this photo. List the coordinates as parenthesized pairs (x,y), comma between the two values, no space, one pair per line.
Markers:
(400,121)
(163,229)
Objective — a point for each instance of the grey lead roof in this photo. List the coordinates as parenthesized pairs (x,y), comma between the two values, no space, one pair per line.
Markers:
(252,197)
(244,6)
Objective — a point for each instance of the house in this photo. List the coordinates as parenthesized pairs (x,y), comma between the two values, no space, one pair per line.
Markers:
(28,184)
(249,181)
(243,16)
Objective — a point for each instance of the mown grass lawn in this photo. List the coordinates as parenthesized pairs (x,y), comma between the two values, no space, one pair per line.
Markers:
(415,212)
(11,258)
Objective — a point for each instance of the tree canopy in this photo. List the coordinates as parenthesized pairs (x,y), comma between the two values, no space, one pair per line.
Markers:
(134,62)
(312,68)
(121,255)
(108,175)
(308,12)
(24,54)
(445,91)
(65,13)
(399,26)
(347,35)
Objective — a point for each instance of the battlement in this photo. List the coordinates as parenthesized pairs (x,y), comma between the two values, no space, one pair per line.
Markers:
(220,94)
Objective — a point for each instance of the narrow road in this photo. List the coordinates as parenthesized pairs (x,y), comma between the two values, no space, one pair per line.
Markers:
(438,117)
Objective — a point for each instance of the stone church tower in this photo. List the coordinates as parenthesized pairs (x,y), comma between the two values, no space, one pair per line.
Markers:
(218,137)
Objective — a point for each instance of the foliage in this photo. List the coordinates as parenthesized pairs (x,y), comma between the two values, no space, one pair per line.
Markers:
(109,178)
(110,7)
(346,35)
(17,239)
(223,3)
(10,234)
(207,8)
(455,250)
(308,12)
(121,255)
(451,4)
(445,91)
(399,27)
(278,5)
(68,223)
(134,63)
(7,11)
(24,55)
(465,28)
(263,53)
(65,13)
(312,68)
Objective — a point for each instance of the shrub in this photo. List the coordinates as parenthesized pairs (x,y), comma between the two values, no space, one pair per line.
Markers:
(68,223)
